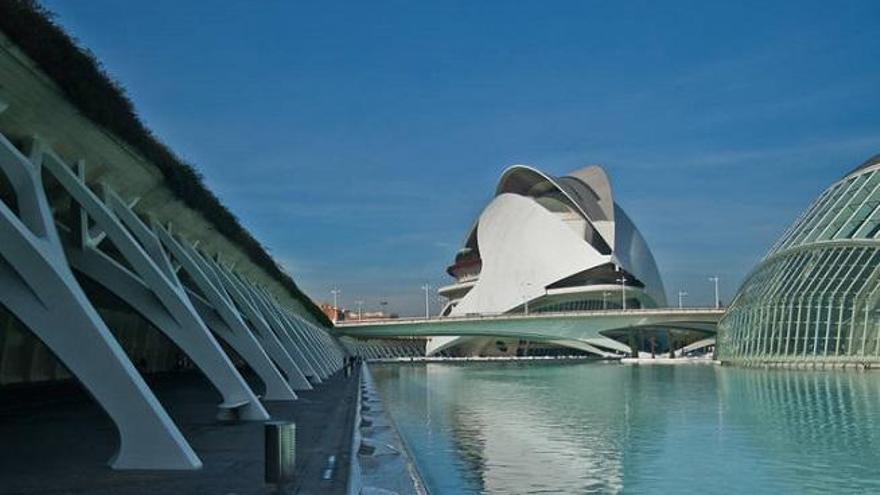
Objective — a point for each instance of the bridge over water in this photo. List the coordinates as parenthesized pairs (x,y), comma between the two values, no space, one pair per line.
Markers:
(582,329)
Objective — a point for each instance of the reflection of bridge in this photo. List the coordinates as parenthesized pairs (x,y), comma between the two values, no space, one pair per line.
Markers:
(589,329)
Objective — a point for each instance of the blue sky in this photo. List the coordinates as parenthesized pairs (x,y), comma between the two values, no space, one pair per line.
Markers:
(358,141)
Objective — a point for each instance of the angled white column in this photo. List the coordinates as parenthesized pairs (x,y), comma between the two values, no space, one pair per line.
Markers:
(333,346)
(277,387)
(313,343)
(308,348)
(321,341)
(127,286)
(324,344)
(150,264)
(270,342)
(292,364)
(222,317)
(277,320)
(316,348)
(37,286)
(294,347)
(292,321)
(274,320)
(119,280)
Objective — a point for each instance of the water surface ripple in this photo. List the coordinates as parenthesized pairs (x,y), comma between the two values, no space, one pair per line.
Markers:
(508,428)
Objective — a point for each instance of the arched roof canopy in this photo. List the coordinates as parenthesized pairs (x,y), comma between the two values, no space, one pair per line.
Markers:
(874,161)
(594,179)
(573,191)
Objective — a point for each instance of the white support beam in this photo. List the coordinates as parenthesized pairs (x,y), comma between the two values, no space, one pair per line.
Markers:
(37,286)
(297,376)
(310,335)
(276,386)
(222,317)
(328,344)
(332,346)
(297,350)
(277,321)
(291,361)
(319,359)
(191,334)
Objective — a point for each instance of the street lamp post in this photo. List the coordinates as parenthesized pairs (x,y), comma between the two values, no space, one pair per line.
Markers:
(681,295)
(717,298)
(525,296)
(360,305)
(335,293)
(622,281)
(427,289)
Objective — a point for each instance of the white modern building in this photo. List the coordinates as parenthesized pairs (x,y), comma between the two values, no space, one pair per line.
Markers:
(548,244)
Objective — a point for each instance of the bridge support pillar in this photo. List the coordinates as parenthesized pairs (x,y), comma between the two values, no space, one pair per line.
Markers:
(633,344)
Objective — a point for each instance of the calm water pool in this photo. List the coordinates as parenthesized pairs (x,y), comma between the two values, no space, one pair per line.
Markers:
(505,428)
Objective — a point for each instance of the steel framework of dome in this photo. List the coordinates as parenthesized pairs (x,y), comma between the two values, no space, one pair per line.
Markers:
(814,297)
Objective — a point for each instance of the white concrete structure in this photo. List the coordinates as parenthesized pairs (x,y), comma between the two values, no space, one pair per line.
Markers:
(38,286)
(548,244)
(107,274)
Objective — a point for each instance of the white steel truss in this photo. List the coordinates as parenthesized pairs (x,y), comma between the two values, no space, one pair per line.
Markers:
(106,241)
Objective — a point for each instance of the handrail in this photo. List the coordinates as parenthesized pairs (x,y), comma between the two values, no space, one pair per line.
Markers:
(520,316)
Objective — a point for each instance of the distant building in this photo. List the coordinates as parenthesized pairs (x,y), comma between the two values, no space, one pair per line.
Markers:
(548,244)
(814,297)
(369,315)
(342,314)
(334,313)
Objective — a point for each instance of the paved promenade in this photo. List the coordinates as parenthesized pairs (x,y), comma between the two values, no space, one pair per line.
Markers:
(56,440)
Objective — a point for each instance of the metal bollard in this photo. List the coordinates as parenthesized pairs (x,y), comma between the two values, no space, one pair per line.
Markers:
(280,451)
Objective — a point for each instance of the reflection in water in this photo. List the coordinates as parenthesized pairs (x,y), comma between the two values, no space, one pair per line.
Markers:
(607,428)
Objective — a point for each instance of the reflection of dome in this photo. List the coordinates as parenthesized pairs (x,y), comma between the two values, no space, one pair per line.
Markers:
(815,296)
(554,244)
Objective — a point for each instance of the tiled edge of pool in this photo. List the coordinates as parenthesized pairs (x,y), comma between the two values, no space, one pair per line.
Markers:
(380,461)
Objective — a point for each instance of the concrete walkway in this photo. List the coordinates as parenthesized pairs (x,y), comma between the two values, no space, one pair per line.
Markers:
(56,440)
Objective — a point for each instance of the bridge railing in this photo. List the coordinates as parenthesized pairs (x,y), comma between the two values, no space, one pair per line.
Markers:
(532,315)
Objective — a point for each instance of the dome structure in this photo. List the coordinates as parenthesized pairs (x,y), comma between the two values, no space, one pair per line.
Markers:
(814,297)
(549,244)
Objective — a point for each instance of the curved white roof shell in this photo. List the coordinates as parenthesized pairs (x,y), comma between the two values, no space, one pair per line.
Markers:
(521,242)
(542,236)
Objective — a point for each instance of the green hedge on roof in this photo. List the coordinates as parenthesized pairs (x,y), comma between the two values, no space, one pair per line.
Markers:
(82,79)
